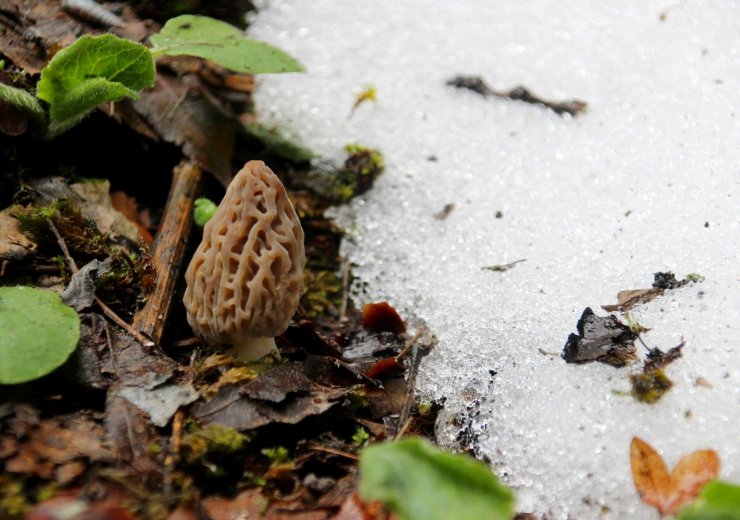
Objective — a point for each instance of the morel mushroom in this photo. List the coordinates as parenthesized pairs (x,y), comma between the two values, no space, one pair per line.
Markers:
(246,277)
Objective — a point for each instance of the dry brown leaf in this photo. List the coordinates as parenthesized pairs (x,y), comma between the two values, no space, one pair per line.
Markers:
(665,491)
(631,297)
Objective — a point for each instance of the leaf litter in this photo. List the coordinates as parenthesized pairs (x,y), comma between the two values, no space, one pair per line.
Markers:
(174,433)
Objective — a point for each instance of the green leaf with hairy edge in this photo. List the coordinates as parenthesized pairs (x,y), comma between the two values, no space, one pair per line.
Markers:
(201,36)
(91,71)
(24,101)
(717,501)
(421,482)
(39,332)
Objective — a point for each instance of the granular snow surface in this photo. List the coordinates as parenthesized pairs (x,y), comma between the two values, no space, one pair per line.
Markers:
(646,180)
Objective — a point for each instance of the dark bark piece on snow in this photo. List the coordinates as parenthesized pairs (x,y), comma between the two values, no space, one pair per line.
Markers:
(600,339)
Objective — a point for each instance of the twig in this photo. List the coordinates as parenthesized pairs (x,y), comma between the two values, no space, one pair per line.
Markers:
(334,452)
(345,290)
(173,457)
(103,307)
(572,107)
(169,249)
(403,429)
(500,268)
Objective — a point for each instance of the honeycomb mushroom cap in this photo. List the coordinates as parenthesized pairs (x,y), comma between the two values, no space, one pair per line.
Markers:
(246,277)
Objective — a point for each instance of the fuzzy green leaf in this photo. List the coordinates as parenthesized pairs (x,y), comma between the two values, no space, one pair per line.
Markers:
(24,101)
(718,501)
(91,71)
(420,482)
(39,333)
(204,37)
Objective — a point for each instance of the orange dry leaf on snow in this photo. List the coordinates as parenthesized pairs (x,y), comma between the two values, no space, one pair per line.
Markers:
(669,492)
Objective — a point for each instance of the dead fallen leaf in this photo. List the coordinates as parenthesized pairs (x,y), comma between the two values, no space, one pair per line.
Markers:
(75,504)
(668,492)
(14,245)
(58,441)
(354,508)
(231,408)
(183,115)
(247,504)
(128,207)
(626,300)
(381,317)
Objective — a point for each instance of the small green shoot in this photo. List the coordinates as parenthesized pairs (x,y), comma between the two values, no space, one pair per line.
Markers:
(91,71)
(718,500)
(418,481)
(203,211)
(368,95)
(222,43)
(360,437)
(277,455)
(39,333)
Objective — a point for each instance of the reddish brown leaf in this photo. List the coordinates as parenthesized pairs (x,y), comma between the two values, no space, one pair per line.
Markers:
(385,367)
(356,509)
(691,473)
(247,504)
(669,492)
(381,317)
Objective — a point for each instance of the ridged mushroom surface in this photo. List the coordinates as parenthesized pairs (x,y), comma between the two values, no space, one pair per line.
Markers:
(246,277)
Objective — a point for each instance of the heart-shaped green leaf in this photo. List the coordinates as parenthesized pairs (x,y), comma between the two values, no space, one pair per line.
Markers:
(39,332)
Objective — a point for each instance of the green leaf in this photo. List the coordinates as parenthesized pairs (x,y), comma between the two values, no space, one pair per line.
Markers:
(91,71)
(278,144)
(222,43)
(420,482)
(24,101)
(39,332)
(204,211)
(717,501)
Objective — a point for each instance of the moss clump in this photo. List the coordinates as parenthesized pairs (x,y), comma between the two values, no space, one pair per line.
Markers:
(13,503)
(322,295)
(650,386)
(213,439)
(130,274)
(81,235)
(360,170)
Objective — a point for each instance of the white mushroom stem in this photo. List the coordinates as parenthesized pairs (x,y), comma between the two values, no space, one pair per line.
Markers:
(255,348)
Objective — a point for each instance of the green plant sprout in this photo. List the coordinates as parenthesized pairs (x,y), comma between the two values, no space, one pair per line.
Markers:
(277,455)
(100,69)
(203,211)
(360,437)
